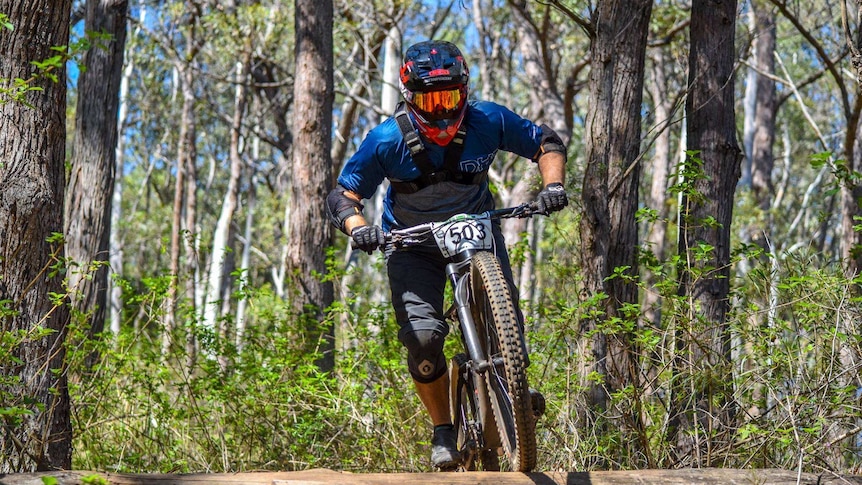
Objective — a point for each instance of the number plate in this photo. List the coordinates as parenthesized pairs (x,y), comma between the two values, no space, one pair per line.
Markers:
(459,236)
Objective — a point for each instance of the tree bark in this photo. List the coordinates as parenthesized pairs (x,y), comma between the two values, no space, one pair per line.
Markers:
(851,190)
(116,240)
(89,196)
(702,411)
(610,198)
(33,380)
(762,158)
(309,229)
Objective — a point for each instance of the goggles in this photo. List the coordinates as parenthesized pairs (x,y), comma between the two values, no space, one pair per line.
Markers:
(438,102)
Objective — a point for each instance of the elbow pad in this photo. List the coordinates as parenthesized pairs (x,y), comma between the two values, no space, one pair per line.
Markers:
(551,142)
(339,207)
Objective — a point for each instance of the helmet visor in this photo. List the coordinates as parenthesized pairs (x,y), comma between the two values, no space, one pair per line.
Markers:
(439,104)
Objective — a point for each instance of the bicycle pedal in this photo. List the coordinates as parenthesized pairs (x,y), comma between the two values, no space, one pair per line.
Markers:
(538,402)
(449,467)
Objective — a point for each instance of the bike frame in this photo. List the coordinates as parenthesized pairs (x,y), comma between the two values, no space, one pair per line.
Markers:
(484,434)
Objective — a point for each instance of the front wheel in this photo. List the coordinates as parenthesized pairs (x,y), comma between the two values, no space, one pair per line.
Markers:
(506,379)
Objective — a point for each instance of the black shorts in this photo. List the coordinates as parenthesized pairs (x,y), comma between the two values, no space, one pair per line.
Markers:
(417,279)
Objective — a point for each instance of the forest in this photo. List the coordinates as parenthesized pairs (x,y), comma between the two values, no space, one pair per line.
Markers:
(173,297)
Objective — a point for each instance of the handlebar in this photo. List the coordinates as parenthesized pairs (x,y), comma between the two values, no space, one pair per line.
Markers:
(519,211)
(417,234)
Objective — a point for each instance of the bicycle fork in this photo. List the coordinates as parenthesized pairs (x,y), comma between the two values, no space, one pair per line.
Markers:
(468,327)
(477,363)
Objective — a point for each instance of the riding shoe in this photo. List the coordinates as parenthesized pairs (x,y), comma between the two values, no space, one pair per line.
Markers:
(444,448)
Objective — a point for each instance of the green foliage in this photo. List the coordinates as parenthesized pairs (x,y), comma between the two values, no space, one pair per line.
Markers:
(262,406)
(789,384)
(17,403)
(788,391)
(94,480)
(842,172)
(46,69)
(5,23)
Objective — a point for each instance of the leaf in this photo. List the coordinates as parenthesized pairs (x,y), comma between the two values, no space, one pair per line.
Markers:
(94,480)
(4,22)
(820,159)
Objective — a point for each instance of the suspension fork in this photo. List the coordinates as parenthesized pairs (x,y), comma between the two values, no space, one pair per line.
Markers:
(462,307)
(477,364)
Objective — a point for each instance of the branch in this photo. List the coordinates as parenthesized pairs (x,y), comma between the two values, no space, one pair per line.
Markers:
(801,84)
(582,22)
(810,191)
(821,52)
(671,33)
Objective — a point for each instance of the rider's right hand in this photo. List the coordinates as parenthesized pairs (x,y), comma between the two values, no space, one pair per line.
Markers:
(367,238)
(552,198)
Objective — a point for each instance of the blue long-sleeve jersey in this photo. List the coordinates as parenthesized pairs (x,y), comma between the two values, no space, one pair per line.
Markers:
(383,154)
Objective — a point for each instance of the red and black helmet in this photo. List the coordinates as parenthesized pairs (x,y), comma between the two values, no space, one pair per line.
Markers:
(434,80)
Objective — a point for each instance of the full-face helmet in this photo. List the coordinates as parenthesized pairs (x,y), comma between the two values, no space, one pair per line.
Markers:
(434,80)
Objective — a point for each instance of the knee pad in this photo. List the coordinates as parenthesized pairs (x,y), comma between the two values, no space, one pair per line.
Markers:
(425,359)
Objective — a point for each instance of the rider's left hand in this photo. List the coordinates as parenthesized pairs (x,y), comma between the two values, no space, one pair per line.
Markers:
(552,198)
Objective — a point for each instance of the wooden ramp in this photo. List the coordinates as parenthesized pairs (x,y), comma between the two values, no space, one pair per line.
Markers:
(705,476)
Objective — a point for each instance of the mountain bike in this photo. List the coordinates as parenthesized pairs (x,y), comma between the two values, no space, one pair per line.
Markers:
(493,408)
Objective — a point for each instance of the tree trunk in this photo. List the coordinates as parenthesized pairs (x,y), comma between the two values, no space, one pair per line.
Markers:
(184,187)
(547,107)
(117,242)
(851,191)
(248,233)
(610,191)
(309,228)
(702,403)
(89,197)
(762,158)
(36,432)
(628,39)
(214,290)
(660,170)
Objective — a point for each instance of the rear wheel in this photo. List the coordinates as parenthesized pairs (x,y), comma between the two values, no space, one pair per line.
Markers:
(506,379)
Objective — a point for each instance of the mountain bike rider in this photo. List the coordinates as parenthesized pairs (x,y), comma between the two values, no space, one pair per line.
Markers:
(434,175)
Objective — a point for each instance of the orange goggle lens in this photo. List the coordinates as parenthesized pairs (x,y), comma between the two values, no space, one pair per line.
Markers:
(436,101)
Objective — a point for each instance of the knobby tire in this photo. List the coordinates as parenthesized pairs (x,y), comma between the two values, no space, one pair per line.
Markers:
(506,380)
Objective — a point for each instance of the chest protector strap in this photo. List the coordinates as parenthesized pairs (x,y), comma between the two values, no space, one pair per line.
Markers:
(450,171)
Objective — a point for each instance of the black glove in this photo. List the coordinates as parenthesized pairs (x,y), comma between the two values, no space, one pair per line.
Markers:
(367,238)
(552,198)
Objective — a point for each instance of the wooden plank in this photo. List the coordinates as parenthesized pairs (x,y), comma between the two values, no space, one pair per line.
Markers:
(706,476)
